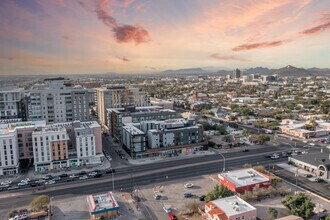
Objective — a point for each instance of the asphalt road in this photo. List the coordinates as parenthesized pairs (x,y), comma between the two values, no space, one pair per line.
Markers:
(317,188)
(129,177)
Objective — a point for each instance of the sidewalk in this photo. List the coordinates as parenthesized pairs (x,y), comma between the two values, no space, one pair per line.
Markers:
(106,164)
(161,158)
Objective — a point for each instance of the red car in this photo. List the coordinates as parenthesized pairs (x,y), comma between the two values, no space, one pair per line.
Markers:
(172,216)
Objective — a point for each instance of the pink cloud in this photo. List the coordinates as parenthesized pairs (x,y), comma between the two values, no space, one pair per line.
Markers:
(224,57)
(316,29)
(123,33)
(265,44)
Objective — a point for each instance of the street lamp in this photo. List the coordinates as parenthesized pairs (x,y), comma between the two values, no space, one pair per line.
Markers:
(51,205)
(224,162)
(113,181)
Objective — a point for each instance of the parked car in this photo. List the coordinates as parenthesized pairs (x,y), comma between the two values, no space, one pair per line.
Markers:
(83,177)
(304,152)
(187,195)
(110,171)
(50,182)
(172,216)
(82,173)
(98,175)
(92,174)
(202,198)
(22,184)
(73,176)
(6,182)
(64,175)
(308,175)
(158,196)
(48,177)
(13,188)
(246,150)
(167,209)
(188,185)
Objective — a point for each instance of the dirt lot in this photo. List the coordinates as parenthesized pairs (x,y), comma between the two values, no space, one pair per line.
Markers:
(172,194)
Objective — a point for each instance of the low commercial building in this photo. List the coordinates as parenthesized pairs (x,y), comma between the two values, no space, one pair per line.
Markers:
(297,130)
(233,208)
(161,102)
(102,206)
(243,180)
(317,163)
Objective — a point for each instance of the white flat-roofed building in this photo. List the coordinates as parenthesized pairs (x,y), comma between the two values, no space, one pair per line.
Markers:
(56,102)
(243,180)
(9,159)
(231,208)
(10,102)
(102,205)
(161,102)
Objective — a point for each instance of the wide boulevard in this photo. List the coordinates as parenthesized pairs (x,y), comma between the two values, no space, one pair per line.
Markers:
(127,178)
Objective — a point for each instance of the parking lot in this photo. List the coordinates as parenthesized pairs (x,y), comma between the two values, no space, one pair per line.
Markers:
(173,194)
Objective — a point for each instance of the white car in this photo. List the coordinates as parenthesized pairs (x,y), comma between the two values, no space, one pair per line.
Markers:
(83,177)
(50,182)
(188,185)
(304,152)
(167,209)
(312,144)
(73,176)
(7,182)
(22,184)
(92,174)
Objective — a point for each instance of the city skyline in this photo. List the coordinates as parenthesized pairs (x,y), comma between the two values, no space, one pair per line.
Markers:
(58,37)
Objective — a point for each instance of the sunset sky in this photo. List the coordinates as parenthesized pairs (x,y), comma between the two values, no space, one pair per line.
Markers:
(137,36)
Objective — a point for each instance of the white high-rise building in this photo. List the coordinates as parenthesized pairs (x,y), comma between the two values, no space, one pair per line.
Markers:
(118,96)
(57,103)
(9,161)
(10,103)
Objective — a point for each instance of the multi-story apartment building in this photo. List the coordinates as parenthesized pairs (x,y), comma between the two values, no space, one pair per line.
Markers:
(64,145)
(118,96)
(173,136)
(54,146)
(174,132)
(20,146)
(50,148)
(57,103)
(118,116)
(11,101)
(9,162)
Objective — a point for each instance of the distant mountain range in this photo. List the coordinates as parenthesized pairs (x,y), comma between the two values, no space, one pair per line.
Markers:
(287,71)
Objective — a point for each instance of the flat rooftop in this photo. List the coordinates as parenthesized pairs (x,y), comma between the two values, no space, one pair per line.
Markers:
(102,203)
(233,205)
(132,129)
(244,177)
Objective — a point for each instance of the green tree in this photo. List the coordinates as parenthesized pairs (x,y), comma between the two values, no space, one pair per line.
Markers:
(328,217)
(211,144)
(263,138)
(40,202)
(218,192)
(192,206)
(222,129)
(260,168)
(247,165)
(272,212)
(275,180)
(299,205)
(245,132)
(226,138)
